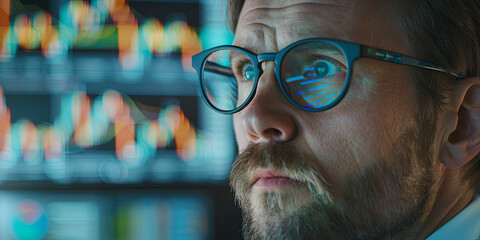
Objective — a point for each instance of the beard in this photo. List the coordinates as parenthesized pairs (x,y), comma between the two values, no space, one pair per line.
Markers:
(379,201)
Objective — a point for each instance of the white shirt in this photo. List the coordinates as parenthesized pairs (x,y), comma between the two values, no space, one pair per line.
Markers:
(464,226)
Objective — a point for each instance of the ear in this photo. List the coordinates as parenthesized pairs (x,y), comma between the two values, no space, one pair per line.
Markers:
(462,143)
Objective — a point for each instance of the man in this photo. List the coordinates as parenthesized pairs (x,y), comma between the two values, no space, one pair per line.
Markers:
(355,119)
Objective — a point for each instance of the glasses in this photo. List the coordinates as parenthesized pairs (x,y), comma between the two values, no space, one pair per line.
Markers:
(313,74)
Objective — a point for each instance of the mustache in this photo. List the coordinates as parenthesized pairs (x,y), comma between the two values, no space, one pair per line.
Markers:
(278,156)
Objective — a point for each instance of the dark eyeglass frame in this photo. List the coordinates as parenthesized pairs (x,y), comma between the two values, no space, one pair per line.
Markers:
(351,51)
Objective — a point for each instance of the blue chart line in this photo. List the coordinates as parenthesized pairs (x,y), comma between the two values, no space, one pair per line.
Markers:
(308,97)
(232,81)
(313,103)
(301,77)
(325,104)
(232,97)
(234,101)
(319,87)
(311,81)
(309,69)
(233,86)
(311,89)
(233,92)
(329,96)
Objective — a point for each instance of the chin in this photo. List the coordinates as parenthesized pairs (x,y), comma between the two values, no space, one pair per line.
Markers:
(273,206)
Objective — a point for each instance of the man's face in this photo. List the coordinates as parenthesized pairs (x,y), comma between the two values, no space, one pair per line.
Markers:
(360,169)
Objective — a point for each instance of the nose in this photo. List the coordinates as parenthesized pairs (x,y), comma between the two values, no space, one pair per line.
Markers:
(269,116)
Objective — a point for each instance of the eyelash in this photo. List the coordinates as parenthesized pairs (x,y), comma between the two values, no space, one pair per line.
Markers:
(311,59)
(239,68)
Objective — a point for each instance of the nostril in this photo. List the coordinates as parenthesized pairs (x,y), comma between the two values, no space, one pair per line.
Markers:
(253,137)
(273,133)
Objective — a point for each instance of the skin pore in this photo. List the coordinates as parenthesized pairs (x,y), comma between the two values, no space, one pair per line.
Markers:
(372,166)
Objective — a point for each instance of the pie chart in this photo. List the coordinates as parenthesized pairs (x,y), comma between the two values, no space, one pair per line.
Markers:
(30,221)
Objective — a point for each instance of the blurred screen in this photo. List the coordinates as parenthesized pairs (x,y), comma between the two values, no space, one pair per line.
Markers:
(57,215)
(101,94)
(96,90)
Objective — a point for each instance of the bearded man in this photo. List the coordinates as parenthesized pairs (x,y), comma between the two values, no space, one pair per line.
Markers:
(355,119)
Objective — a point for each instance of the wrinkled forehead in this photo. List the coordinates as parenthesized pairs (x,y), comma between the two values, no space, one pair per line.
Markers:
(270,25)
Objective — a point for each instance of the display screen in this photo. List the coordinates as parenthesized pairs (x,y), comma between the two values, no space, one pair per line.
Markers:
(103,92)
(121,216)
(103,133)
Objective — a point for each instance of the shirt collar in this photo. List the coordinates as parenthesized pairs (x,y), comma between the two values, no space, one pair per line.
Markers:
(465,225)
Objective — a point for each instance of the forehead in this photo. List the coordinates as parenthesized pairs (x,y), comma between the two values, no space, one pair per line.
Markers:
(270,25)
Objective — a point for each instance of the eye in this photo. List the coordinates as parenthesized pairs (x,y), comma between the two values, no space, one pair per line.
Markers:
(248,72)
(324,68)
(243,70)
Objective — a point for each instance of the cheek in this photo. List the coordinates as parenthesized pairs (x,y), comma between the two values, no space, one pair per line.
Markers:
(240,134)
(342,145)
(356,133)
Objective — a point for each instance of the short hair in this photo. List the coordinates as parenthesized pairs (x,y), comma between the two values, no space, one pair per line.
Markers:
(446,32)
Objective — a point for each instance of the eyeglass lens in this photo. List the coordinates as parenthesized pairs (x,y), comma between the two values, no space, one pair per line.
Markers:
(228,78)
(312,74)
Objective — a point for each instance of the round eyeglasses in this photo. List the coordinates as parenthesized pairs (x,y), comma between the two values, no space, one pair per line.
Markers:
(313,74)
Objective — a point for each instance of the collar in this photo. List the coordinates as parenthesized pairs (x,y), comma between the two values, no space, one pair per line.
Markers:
(465,225)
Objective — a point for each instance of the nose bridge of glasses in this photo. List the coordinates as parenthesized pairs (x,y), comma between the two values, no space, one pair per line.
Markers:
(263,58)
(266,57)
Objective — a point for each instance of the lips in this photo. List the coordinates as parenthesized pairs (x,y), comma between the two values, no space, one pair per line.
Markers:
(267,177)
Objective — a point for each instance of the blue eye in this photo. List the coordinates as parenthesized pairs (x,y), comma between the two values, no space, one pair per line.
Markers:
(249,73)
(325,68)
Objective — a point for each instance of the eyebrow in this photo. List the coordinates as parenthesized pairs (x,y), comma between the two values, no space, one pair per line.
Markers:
(326,48)
(237,55)
(336,53)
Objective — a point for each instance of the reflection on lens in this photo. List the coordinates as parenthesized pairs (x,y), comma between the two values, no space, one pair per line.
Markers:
(228,76)
(314,74)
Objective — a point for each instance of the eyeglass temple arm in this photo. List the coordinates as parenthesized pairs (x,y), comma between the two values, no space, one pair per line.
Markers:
(217,68)
(398,58)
